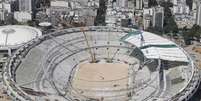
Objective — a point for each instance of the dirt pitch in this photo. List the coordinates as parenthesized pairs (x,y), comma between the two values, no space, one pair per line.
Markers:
(100,76)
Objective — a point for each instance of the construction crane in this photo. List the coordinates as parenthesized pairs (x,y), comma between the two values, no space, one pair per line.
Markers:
(88,45)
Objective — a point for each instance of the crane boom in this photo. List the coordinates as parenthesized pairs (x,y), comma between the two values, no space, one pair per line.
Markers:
(88,45)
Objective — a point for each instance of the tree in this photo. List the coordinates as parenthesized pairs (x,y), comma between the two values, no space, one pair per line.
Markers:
(191,34)
(2,22)
(152,3)
(14,22)
(154,30)
(187,38)
(30,23)
(14,5)
(195,31)
(170,26)
(189,3)
(100,18)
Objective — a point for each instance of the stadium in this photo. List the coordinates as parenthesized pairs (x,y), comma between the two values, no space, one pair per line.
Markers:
(13,36)
(100,64)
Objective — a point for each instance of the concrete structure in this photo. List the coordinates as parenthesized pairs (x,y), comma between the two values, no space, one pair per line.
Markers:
(45,24)
(147,19)
(57,10)
(25,5)
(44,68)
(184,21)
(61,3)
(121,3)
(14,36)
(11,38)
(146,3)
(22,16)
(148,11)
(180,7)
(116,12)
(6,6)
(68,12)
(194,8)
(5,9)
(153,17)
(198,15)
(138,4)
(25,11)
(158,17)
(182,13)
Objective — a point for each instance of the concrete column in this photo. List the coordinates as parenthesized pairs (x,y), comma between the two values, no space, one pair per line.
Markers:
(9,52)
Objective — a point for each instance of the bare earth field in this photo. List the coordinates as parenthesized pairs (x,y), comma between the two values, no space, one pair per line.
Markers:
(100,76)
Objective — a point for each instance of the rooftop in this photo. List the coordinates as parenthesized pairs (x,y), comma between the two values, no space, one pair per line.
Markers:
(14,35)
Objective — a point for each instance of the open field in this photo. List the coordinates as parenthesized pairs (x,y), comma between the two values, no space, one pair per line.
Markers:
(100,76)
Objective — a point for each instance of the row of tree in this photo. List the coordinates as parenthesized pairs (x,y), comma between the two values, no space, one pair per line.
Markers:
(192,34)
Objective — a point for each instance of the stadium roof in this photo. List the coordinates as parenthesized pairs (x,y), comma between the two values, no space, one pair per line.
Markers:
(45,24)
(14,35)
(156,47)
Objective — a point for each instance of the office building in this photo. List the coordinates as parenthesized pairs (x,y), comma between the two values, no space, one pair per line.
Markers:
(180,7)
(198,15)
(139,4)
(22,16)
(146,3)
(5,9)
(25,5)
(158,17)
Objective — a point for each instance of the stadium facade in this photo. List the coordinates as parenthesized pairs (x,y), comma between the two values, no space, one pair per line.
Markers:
(52,67)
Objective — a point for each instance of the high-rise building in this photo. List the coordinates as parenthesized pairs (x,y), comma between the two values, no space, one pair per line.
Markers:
(180,7)
(147,21)
(194,9)
(121,3)
(158,17)
(139,4)
(25,5)
(147,17)
(25,12)
(5,9)
(198,16)
(146,3)
(74,11)
(22,16)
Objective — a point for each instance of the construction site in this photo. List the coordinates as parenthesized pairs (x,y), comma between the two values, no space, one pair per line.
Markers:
(100,64)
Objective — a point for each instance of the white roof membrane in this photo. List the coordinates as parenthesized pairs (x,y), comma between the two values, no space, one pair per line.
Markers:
(156,47)
(15,35)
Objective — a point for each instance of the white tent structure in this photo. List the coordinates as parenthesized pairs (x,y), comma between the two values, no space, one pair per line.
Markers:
(156,47)
(13,36)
